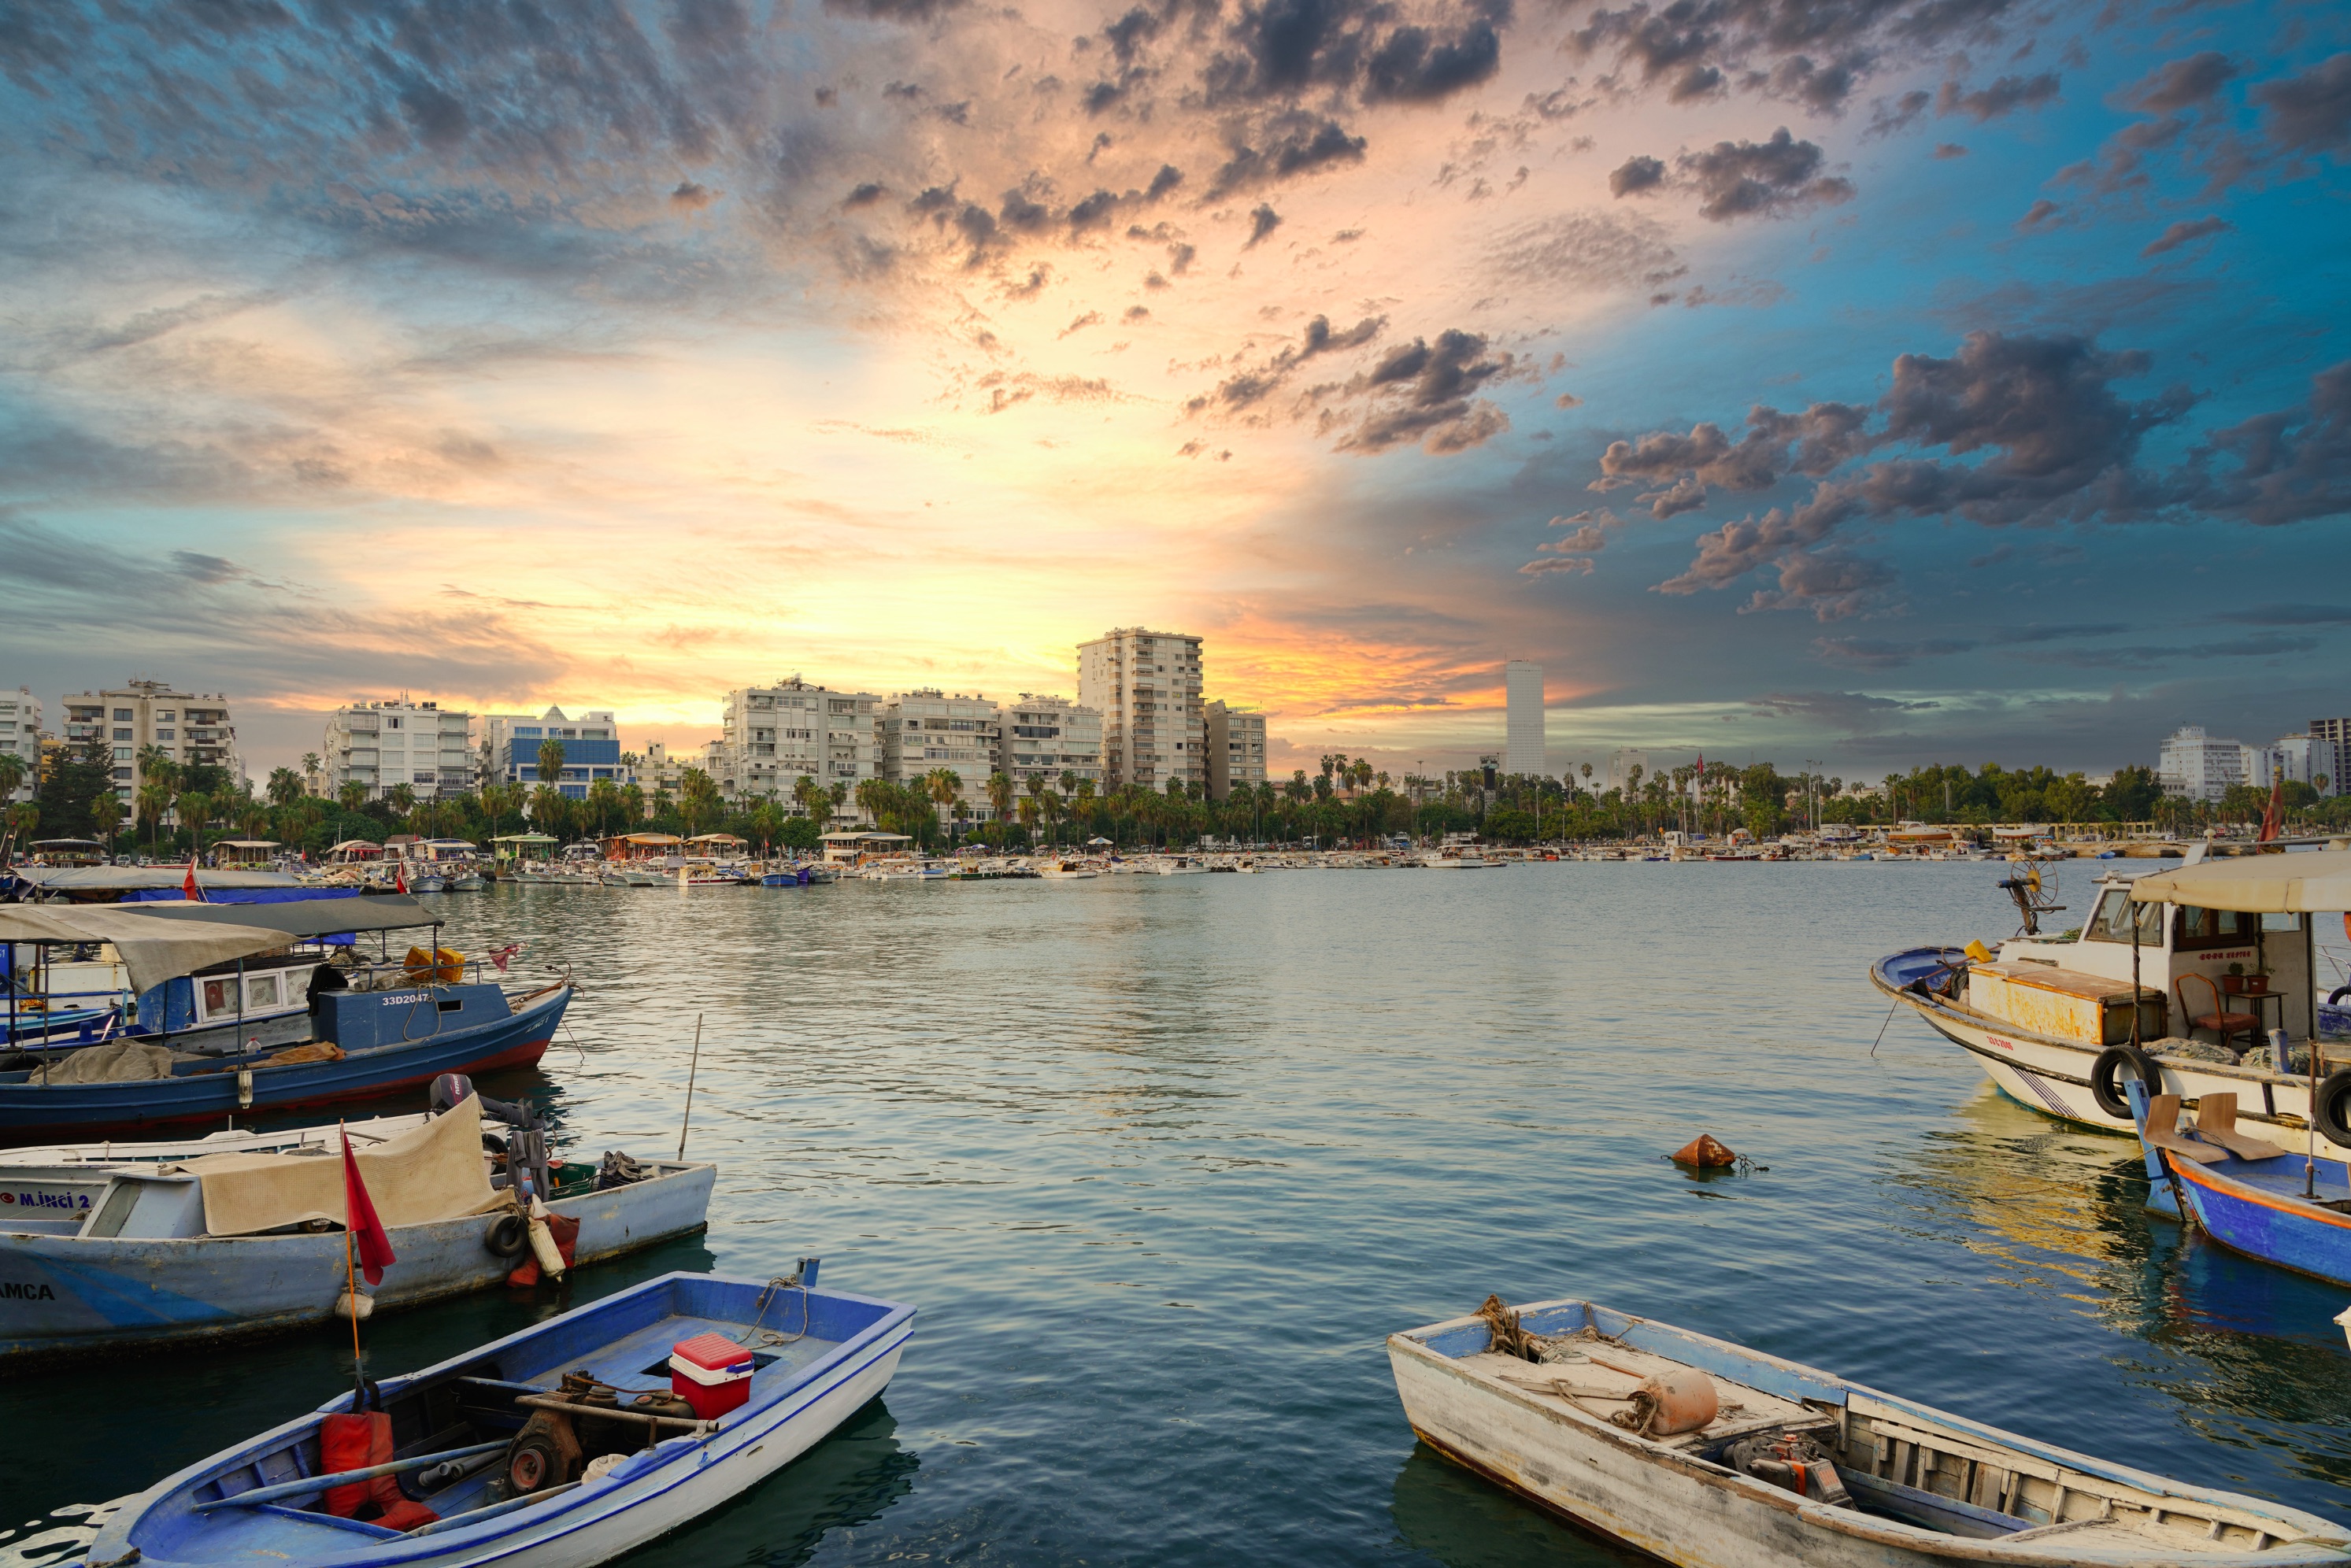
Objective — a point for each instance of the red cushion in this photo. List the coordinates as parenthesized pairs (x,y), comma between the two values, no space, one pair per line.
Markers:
(353,1443)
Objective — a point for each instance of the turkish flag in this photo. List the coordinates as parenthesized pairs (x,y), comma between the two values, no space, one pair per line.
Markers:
(359,1217)
(188,888)
(2273,819)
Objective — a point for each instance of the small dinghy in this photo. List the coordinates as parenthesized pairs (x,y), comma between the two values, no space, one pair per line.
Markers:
(569,1443)
(1712,1456)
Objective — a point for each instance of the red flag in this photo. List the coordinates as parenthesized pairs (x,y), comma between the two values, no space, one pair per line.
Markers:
(2273,817)
(358,1215)
(188,888)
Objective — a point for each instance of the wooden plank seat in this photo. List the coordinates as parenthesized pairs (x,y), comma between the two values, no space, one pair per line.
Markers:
(2164,1132)
(2216,1123)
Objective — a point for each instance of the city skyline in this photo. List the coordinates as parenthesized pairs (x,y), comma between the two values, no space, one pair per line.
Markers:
(1955,385)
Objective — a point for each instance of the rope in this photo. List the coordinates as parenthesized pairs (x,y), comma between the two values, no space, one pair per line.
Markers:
(759,1311)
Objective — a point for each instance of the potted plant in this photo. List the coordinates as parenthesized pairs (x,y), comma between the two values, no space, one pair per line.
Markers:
(2233,982)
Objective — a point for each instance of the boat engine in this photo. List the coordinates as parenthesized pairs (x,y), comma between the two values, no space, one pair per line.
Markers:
(1792,1460)
(556,1447)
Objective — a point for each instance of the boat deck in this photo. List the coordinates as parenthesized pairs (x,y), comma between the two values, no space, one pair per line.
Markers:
(1598,1376)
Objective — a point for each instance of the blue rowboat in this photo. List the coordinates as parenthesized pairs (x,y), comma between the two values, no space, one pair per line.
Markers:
(2250,1197)
(819,1358)
(382,1040)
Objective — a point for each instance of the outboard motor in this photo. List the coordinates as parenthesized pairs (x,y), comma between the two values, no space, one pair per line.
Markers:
(448,1090)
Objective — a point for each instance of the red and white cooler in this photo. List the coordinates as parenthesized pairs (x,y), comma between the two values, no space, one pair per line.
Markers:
(711,1373)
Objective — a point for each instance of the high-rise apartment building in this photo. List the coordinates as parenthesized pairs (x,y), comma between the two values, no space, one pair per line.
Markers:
(923,731)
(1235,741)
(772,736)
(2331,754)
(191,730)
(1522,732)
(20,737)
(592,749)
(1048,737)
(1620,764)
(2194,766)
(378,745)
(1146,686)
(2288,759)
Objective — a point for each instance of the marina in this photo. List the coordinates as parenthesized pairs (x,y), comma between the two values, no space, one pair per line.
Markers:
(1126,1184)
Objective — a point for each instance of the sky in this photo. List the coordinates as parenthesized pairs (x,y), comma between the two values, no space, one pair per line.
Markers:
(1860,383)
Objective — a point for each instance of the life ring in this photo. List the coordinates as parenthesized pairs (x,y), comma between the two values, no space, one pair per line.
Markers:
(2332,1108)
(508,1237)
(2105,1087)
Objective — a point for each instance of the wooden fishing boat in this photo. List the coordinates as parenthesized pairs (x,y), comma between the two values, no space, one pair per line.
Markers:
(245,1237)
(1712,1456)
(510,1460)
(2292,1209)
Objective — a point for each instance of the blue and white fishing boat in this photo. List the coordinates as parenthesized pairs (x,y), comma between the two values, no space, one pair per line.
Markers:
(2290,1207)
(1713,1456)
(238,1235)
(506,1454)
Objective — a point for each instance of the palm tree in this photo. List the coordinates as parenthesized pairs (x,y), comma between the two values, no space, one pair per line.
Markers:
(1000,796)
(195,815)
(253,818)
(352,798)
(1082,795)
(550,762)
(632,803)
(310,766)
(871,798)
(1028,817)
(284,786)
(603,797)
(12,775)
(698,797)
(944,787)
(402,798)
(105,815)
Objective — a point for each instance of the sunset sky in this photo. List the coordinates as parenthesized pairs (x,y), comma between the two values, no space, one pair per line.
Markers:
(1877,381)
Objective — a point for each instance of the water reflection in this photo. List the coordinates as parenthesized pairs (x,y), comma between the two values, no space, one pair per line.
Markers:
(1463,1520)
(851,1478)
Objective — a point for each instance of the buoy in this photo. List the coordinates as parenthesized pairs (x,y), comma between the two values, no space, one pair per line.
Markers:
(347,1305)
(1979,952)
(1703,1150)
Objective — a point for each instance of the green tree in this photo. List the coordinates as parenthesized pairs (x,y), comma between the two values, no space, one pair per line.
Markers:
(284,786)
(550,762)
(75,777)
(195,815)
(105,816)
(603,800)
(999,800)
(698,793)
(12,775)
(402,798)
(944,787)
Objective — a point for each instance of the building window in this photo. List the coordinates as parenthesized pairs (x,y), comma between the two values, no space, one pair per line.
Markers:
(123,715)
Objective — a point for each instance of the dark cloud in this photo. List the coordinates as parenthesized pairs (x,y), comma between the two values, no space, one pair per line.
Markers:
(866,194)
(1416,65)
(892,10)
(2038,214)
(1588,251)
(1248,387)
(1280,50)
(1263,221)
(1424,391)
(2292,466)
(1291,145)
(2289,615)
(2180,84)
(2310,112)
(2005,95)
(689,196)
(1876,654)
(2181,233)
(1760,179)
(1636,174)
(206,568)
(1945,150)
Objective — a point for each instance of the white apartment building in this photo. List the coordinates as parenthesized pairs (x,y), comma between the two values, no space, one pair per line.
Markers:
(20,737)
(1046,737)
(1235,741)
(2288,757)
(590,742)
(1522,730)
(1146,686)
(771,735)
(2194,766)
(192,730)
(2330,754)
(1621,763)
(378,745)
(926,729)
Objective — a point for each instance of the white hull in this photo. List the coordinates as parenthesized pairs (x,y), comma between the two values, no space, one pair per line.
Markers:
(2052,1076)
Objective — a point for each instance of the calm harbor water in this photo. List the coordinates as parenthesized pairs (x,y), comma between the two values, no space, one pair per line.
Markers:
(1163,1160)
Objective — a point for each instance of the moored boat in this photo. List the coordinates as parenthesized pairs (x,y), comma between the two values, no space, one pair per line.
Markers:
(510,1460)
(1713,1456)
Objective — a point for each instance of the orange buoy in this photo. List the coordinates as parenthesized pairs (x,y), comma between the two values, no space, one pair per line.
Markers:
(1703,1150)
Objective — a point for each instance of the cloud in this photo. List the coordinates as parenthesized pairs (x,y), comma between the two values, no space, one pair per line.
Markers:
(2294,465)
(1263,221)
(1249,387)
(1635,174)
(1760,179)
(2005,95)
(2310,112)
(1424,391)
(1293,144)
(2275,614)
(1587,251)
(2039,213)
(1876,654)
(691,197)
(1946,150)
(2181,233)
(2180,84)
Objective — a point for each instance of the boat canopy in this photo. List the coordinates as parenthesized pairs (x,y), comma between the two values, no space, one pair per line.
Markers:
(152,950)
(657,840)
(717,839)
(2315,883)
(113,880)
(307,917)
(433,1172)
(244,844)
(359,848)
(525,839)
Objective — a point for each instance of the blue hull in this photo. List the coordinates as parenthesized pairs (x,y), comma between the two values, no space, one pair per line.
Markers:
(2248,1210)
(30,1108)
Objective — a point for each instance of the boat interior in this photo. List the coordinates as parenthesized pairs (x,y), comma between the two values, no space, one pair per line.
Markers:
(1891,1458)
(588,1393)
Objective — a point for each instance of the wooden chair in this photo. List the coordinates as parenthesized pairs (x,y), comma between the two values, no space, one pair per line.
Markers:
(2216,1018)
(2216,1123)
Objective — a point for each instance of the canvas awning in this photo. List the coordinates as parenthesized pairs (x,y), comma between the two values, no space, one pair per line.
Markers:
(101,881)
(306,917)
(2318,883)
(433,1172)
(152,950)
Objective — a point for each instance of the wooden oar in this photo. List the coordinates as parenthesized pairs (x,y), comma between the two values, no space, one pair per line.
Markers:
(343,1478)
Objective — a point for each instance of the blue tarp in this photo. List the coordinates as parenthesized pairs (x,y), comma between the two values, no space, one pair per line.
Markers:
(241,894)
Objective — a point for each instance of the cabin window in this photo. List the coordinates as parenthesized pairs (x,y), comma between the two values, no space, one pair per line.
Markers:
(261,991)
(2277,922)
(220,997)
(2193,928)
(2112,921)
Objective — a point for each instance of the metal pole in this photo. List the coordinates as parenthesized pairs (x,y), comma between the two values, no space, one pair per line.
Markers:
(691,1070)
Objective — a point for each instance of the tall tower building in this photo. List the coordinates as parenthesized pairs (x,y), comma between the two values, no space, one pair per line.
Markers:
(1522,736)
(1146,686)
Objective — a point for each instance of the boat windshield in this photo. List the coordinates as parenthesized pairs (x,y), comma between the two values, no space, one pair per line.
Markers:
(2112,921)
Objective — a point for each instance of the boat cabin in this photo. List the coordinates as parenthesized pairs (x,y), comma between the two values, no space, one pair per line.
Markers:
(524,846)
(353,851)
(244,855)
(68,852)
(642,846)
(856,846)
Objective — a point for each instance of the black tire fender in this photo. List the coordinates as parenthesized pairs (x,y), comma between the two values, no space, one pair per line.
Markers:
(2335,998)
(2331,1110)
(2105,1085)
(509,1237)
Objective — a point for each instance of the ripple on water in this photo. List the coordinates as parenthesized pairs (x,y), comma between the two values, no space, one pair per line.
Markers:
(1163,1161)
